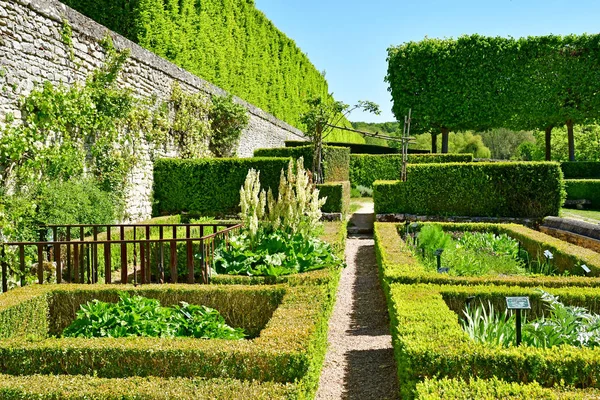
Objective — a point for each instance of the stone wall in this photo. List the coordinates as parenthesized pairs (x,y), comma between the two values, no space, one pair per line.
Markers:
(32,50)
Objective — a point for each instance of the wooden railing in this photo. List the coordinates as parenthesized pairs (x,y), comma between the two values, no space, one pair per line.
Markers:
(78,259)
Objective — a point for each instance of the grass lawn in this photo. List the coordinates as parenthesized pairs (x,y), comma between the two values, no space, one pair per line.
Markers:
(592,216)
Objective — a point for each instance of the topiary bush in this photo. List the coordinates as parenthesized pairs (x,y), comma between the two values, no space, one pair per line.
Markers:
(520,190)
(208,186)
(366,168)
(336,160)
(338,197)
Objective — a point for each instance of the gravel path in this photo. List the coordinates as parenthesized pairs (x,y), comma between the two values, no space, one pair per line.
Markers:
(360,360)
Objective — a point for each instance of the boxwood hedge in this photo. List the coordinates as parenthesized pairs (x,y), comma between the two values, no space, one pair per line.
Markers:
(429,342)
(584,189)
(290,349)
(368,168)
(336,160)
(209,186)
(52,387)
(397,264)
(522,190)
(338,197)
(491,389)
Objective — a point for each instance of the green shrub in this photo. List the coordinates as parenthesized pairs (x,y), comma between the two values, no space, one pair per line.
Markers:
(336,160)
(338,197)
(398,265)
(581,170)
(523,190)
(366,169)
(584,189)
(209,186)
(52,387)
(429,342)
(490,389)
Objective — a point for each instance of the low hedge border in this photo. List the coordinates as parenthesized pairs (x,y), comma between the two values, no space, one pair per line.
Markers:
(338,197)
(429,343)
(52,387)
(397,264)
(584,189)
(289,349)
(368,168)
(491,389)
(510,189)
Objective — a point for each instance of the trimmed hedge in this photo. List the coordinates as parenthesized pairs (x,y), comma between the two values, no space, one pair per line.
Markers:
(336,160)
(519,189)
(491,389)
(366,169)
(355,148)
(52,387)
(584,189)
(338,197)
(429,342)
(290,349)
(397,264)
(581,170)
(209,186)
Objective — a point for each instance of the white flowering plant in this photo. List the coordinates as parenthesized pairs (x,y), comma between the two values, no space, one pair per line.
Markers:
(280,234)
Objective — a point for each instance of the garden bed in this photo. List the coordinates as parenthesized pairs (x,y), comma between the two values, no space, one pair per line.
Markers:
(289,326)
(429,342)
(398,265)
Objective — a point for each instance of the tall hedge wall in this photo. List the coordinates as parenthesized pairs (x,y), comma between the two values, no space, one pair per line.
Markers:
(336,160)
(581,170)
(209,186)
(367,168)
(522,190)
(584,189)
(227,42)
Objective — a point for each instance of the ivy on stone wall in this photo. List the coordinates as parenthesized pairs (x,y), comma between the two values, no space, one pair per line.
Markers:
(83,139)
(229,43)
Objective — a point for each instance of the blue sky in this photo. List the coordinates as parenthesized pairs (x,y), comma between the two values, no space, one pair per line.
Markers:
(349,38)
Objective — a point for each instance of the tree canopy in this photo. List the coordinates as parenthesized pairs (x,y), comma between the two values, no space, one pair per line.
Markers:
(480,83)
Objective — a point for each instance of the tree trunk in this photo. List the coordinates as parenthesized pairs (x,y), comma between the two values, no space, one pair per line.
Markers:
(445,136)
(548,143)
(571,140)
(434,143)
(317,169)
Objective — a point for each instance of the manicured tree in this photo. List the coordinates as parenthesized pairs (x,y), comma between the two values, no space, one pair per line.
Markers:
(451,85)
(481,83)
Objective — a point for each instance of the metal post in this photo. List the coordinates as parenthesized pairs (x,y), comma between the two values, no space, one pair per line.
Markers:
(518,327)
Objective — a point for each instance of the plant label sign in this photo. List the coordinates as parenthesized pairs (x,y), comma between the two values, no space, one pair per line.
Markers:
(518,303)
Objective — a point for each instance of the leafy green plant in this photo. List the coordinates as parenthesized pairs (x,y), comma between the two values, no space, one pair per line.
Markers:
(273,254)
(564,325)
(279,235)
(135,316)
(432,238)
(487,325)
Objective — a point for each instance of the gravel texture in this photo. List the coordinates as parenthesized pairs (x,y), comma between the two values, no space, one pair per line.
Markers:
(360,360)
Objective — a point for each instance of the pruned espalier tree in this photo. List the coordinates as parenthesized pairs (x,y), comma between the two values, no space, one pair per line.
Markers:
(322,115)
